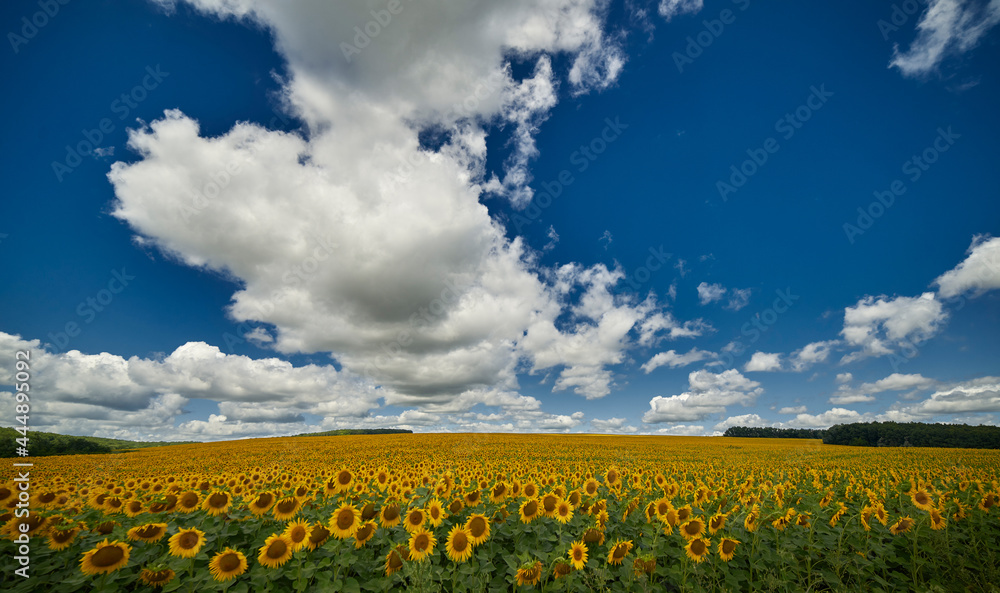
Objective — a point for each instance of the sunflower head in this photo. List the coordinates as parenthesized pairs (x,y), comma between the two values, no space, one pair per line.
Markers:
(619,551)
(345,521)
(364,533)
(529,573)
(414,520)
(105,557)
(727,547)
(394,559)
(227,564)
(459,544)
(529,510)
(156,577)
(150,532)
(277,550)
(697,549)
(298,534)
(422,544)
(693,528)
(186,543)
(478,527)
(578,555)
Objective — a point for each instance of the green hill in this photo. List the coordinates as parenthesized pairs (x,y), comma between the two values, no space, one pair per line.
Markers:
(42,444)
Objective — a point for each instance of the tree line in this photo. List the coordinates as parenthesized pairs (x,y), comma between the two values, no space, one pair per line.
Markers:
(885,434)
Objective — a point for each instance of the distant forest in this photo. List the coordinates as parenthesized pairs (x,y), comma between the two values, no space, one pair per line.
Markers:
(43,444)
(348,431)
(885,434)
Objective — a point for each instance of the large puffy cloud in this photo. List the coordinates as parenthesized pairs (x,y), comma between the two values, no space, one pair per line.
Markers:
(977,273)
(763,361)
(827,419)
(975,396)
(946,27)
(708,395)
(355,239)
(879,325)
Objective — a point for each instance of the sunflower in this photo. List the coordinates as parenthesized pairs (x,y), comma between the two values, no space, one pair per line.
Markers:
(697,549)
(298,534)
(989,501)
(560,570)
(591,486)
(156,578)
(345,521)
(529,490)
(549,502)
(227,564)
(594,535)
(901,526)
(318,535)
(435,512)
(364,533)
(394,559)
(922,500)
(277,550)
(188,501)
(529,573)
(473,498)
(414,520)
(619,551)
(150,532)
(286,508)
(262,504)
(564,511)
(937,521)
(133,508)
(422,544)
(727,547)
(459,544)
(529,510)
(60,539)
(578,555)
(389,517)
(693,528)
(105,557)
(478,528)
(684,513)
(750,523)
(717,522)
(186,543)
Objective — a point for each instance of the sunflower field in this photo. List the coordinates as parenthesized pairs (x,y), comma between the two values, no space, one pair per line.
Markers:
(440,512)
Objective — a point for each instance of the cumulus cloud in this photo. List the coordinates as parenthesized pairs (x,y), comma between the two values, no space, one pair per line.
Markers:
(682,430)
(976,396)
(977,273)
(674,360)
(763,361)
(811,354)
(354,239)
(741,420)
(738,298)
(947,27)
(708,395)
(709,293)
(844,377)
(879,325)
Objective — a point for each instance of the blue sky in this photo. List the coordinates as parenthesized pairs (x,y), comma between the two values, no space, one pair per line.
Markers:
(242,219)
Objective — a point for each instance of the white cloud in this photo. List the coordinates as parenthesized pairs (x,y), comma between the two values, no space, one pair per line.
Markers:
(763,361)
(708,395)
(738,298)
(947,27)
(827,419)
(741,420)
(670,8)
(683,430)
(811,354)
(708,293)
(351,239)
(793,410)
(609,425)
(898,382)
(674,360)
(978,273)
(879,324)
(975,396)
(844,378)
